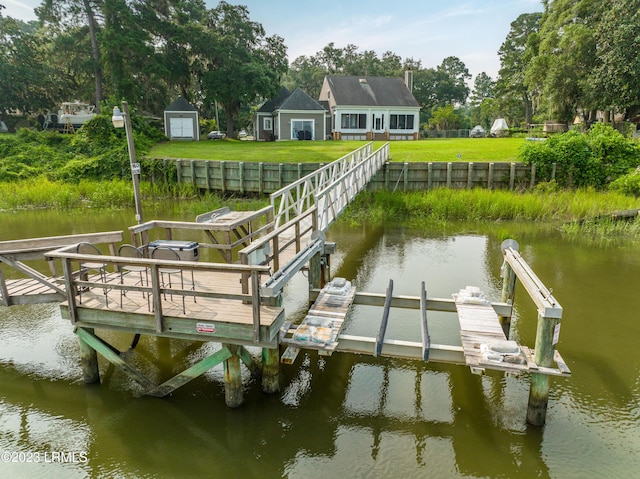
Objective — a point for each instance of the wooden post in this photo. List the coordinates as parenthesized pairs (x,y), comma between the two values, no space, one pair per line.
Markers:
(512,176)
(406,176)
(89,362)
(223,183)
(207,174)
(490,176)
(533,175)
(508,293)
(315,272)
(449,173)
(387,174)
(508,285)
(429,175)
(233,393)
(261,177)
(270,370)
(546,338)
(470,175)
(3,289)
(241,176)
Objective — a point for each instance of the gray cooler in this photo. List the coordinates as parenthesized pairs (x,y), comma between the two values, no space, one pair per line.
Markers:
(187,250)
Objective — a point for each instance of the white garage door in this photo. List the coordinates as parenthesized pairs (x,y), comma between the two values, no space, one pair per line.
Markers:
(181,127)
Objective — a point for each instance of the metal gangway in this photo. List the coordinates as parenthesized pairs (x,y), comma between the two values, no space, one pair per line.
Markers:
(330,187)
(311,204)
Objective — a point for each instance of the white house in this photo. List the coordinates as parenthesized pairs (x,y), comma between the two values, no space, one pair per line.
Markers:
(371,108)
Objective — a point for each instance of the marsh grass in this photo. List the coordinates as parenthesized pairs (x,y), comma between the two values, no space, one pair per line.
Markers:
(442,205)
(43,193)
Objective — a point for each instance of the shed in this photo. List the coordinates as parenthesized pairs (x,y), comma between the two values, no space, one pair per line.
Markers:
(181,121)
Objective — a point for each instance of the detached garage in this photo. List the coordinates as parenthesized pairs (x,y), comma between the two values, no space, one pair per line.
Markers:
(181,121)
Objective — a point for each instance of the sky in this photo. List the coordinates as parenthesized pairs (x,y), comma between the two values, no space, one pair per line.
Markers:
(427,30)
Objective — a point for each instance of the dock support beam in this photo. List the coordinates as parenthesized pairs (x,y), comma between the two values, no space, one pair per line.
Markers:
(508,286)
(546,337)
(270,370)
(89,361)
(233,393)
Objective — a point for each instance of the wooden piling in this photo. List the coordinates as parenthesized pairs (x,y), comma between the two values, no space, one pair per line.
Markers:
(89,361)
(508,293)
(316,272)
(270,370)
(546,337)
(233,393)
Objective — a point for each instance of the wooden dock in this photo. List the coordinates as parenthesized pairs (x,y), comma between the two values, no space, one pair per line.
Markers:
(486,346)
(322,325)
(238,302)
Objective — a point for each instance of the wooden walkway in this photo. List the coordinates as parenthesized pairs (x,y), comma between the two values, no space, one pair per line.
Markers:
(485,345)
(320,328)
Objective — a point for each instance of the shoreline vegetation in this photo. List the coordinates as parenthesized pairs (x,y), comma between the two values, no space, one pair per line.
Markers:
(577,211)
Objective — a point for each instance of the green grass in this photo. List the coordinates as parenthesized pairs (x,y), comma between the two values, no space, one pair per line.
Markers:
(456,149)
(254,151)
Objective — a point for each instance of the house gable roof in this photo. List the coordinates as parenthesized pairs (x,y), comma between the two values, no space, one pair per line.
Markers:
(181,104)
(272,105)
(299,100)
(370,91)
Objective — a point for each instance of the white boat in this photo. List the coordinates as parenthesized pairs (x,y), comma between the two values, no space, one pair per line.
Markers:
(70,114)
(76,113)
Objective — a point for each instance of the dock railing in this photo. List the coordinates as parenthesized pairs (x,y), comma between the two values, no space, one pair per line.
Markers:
(336,196)
(17,253)
(255,225)
(74,280)
(295,198)
(281,249)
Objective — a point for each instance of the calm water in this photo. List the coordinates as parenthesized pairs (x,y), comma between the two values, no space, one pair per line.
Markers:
(346,415)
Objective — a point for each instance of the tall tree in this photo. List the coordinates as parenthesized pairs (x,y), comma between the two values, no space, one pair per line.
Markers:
(566,58)
(483,87)
(26,78)
(446,84)
(176,32)
(516,53)
(78,12)
(616,76)
(243,64)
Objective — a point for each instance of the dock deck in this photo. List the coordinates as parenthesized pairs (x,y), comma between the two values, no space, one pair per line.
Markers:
(485,345)
(211,310)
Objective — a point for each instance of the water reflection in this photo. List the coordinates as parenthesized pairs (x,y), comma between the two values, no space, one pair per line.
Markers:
(349,415)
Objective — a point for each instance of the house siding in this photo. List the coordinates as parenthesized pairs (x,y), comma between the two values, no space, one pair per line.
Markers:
(289,117)
(377,125)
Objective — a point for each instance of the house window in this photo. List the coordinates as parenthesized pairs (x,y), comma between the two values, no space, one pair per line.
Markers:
(267,124)
(354,121)
(401,122)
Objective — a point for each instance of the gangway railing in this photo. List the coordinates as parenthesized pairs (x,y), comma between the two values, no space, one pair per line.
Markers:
(297,197)
(335,197)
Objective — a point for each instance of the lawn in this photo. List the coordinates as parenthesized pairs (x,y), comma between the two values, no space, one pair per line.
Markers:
(457,149)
